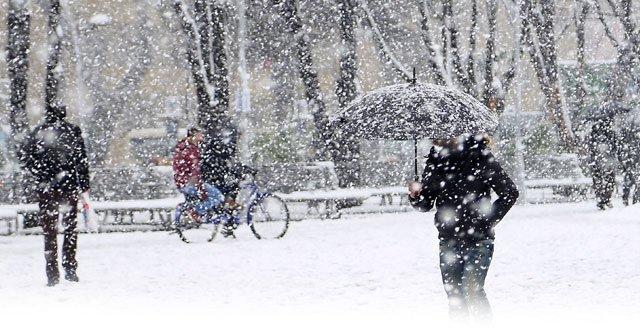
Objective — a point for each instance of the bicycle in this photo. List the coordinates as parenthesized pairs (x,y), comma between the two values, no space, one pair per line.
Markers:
(266,214)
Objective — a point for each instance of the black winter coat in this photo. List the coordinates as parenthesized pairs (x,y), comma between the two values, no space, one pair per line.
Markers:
(459,182)
(218,164)
(55,155)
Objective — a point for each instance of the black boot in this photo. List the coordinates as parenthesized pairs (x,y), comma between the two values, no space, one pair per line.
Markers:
(71,275)
(52,281)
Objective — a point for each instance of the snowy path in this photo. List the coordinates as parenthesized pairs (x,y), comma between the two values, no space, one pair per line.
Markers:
(368,274)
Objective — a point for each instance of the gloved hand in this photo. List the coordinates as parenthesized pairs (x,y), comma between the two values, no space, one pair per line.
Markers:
(414,189)
(202,192)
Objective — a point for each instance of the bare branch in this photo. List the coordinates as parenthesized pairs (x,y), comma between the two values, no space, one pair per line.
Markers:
(384,49)
(580,17)
(434,59)
(566,26)
(607,31)
(473,37)
(452,35)
(491,54)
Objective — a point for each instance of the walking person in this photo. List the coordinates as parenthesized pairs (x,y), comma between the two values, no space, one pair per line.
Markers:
(458,178)
(55,155)
(602,160)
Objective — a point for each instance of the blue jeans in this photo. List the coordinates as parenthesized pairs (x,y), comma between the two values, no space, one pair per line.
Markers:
(464,267)
(214,199)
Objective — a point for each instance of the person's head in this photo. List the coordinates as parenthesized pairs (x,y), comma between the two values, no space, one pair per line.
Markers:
(450,143)
(480,140)
(55,113)
(195,136)
(615,91)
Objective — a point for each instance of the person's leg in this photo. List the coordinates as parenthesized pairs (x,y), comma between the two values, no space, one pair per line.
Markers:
(627,183)
(191,197)
(451,267)
(48,204)
(597,185)
(70,244)
(214,199)
(633,188)
(476,265)
(610,186)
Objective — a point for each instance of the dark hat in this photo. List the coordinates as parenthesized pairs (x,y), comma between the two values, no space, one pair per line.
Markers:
(193,131)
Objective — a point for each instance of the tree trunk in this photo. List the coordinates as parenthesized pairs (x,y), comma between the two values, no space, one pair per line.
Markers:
(453,36)
(473,41)
(309,77)
(434,60)
(220,71)
(203,25)
(196,62)
(347,152)
(489,93)
(54,70)
(544,59)
(208,63)
(18,42)
(580,20)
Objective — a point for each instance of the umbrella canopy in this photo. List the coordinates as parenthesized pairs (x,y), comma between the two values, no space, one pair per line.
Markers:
(414,111)
(607,110)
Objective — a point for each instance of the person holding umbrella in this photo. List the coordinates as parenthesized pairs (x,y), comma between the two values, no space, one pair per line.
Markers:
(458,177)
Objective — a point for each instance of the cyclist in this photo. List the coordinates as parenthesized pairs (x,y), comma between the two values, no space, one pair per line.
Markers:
(186,174)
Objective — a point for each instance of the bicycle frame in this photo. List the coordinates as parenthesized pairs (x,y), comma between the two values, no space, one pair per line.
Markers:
(250,197)
(253,194)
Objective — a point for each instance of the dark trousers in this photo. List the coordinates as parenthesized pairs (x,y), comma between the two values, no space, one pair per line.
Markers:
(464,267)
(604,182)
(50,202)
(628,182)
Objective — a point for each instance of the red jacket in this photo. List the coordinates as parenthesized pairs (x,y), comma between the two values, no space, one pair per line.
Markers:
(186,164)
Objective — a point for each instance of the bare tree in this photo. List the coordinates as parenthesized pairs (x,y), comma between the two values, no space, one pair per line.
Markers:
(580,19)
(538,19)
(18,23)
(384,50)
(55,70)
(347,152)
(628,46)
(289,11)
(207,61)
(445,59)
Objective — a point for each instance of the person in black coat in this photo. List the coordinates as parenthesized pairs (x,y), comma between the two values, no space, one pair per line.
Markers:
(220,167)
(603,161)
(458,178)
(55,155)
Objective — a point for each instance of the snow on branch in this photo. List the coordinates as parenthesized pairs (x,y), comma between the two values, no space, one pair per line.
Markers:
(197,59)
(386,51)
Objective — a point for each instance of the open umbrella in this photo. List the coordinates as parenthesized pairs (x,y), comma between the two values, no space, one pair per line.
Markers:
(607,110)
(413,111)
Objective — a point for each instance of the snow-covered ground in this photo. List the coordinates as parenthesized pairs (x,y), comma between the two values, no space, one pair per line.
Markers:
(557,268)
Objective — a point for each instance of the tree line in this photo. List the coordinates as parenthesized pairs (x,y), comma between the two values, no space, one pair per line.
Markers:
(462,48)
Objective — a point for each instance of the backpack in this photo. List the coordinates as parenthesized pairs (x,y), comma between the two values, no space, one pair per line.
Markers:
(51,155)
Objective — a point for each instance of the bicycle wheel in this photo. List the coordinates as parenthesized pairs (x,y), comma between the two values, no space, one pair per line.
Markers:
(268,217)
(191,229)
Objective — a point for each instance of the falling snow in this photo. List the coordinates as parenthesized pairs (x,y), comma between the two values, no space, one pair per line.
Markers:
(337,105)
